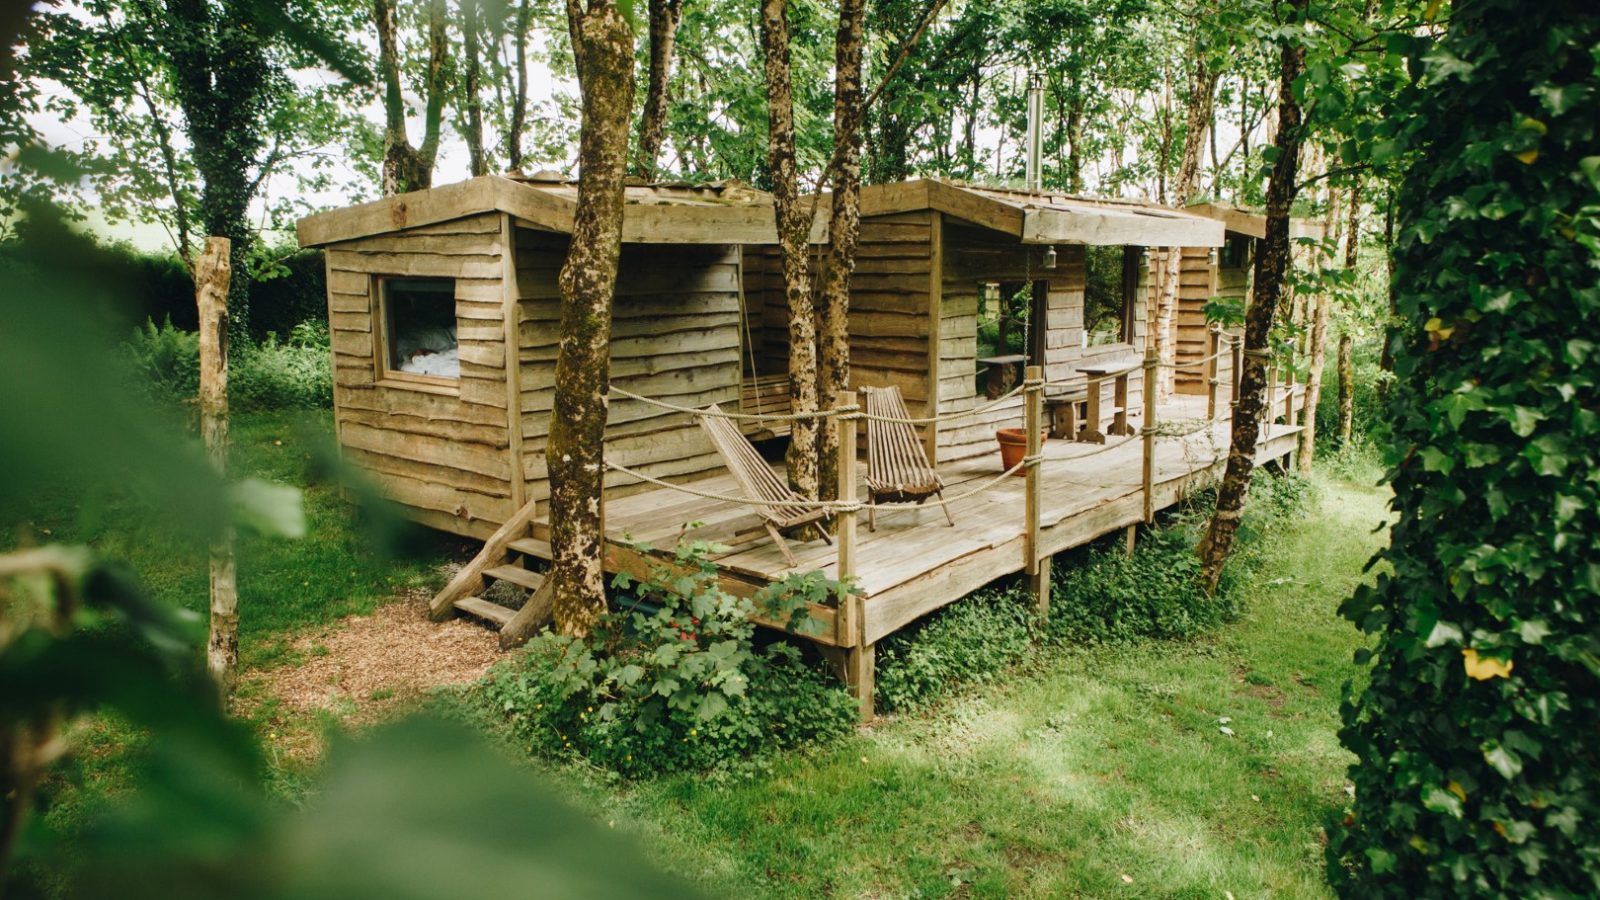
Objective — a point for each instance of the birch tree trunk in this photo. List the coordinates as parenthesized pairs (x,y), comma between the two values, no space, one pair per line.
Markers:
(211,276)
(844,232)
(602,42)
(1197,122)
(1272,264)
(1321,311)
(794,228)
(664,18)
(407,168)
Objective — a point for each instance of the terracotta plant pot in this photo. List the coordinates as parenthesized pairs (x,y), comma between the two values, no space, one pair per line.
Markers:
(1014,446)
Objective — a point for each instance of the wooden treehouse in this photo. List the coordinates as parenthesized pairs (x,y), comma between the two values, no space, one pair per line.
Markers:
(984,309)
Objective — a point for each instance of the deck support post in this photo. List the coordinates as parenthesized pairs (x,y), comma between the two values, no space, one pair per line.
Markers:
(1148,431)
(1130,537)
(859,660)
(1213,351)
(1033,494)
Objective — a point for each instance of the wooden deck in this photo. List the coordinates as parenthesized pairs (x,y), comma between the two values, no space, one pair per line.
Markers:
(915,562)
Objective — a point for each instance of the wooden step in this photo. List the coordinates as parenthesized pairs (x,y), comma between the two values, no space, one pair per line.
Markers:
(532,547)
(484,609)
(516,575)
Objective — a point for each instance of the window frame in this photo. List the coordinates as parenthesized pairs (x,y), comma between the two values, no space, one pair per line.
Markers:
(384,374)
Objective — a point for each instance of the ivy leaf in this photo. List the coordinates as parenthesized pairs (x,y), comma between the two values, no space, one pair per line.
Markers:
(1505,762)
(1524,420)
(1443,633)
(1441,800)
(1533,631)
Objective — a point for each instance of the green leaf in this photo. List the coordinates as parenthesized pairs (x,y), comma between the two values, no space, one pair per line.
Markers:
(269,509)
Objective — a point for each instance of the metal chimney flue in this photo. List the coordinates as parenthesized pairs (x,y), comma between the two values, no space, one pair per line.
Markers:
(1033,177)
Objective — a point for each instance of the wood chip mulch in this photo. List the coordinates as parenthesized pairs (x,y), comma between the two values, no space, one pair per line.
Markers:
(364,669)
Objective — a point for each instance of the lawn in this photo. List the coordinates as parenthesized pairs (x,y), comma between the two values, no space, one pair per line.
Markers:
(1195,769)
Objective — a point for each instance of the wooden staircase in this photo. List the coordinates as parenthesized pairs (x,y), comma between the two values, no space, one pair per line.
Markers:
(503,558)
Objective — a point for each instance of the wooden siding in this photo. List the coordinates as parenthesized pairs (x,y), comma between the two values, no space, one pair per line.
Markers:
(973,256)
(1197,284)
(442,452)
(675,336)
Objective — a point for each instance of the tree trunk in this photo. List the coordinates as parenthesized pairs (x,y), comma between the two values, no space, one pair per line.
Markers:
(1272,264)
(211,277)
(664,18)
(794,228)
(1321,311)
(471,35)
(602,42)
(1347,389)
(519,99)
(844,231)
(1197,122)
(407,168)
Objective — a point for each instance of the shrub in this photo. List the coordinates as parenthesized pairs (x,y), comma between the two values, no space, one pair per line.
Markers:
(1365,416)
(966,642)
(292,374)
(1107,595)
(671,680)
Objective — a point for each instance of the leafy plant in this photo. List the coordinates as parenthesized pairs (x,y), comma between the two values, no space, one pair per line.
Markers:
(671,679)
(968,642)
(1477,766)
(274,374)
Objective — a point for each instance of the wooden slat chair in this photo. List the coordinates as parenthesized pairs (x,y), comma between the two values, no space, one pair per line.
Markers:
(759,482)
(898,470)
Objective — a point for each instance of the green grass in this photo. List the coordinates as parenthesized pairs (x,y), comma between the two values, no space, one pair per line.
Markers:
(284,586)
(1070,775)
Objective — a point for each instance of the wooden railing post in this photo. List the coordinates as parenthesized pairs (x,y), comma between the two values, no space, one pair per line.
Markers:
(1149,433)
(1037,568)
(845,522)
(1237,342)
(1213,368)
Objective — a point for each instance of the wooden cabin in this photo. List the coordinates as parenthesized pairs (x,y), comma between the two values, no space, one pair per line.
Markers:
(937,275)
(444,310)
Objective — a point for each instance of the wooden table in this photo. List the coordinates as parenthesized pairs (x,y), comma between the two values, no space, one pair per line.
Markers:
(1090,433)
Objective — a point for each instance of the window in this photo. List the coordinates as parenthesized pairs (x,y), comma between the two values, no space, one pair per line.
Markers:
(1110,280)
(418,317)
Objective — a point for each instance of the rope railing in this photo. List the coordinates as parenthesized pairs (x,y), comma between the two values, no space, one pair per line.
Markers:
(723,414)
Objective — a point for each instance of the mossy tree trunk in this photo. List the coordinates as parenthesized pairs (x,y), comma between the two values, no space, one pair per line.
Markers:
(222,80)
(407,168)
(665,15)
(212,273)
(602,41)
(794,228)
(844,232)
(472,85)
(1272,265)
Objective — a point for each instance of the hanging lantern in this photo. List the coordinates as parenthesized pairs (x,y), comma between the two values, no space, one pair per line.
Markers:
(1049,257)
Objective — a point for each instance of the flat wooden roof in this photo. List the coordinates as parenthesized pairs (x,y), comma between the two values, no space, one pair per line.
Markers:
(721,213)
(1250,223)
(1047,217)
